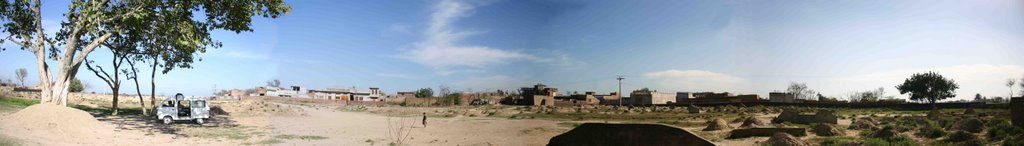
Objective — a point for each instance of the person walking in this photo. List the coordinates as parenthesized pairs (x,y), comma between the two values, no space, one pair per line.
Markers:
(424,120)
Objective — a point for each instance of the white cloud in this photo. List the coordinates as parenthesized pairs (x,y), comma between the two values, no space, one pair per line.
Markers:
(694,80)
(490,82)
(986,79)
(440,51)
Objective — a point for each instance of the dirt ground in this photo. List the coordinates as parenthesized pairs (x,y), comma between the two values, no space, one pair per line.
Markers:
(258,122)
(287,122)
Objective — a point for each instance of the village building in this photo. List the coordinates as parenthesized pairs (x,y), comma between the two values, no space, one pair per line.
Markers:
(782,97)
(648,97)
(539,94)
(609,99)
(588,98)
(293,91)
(348,94)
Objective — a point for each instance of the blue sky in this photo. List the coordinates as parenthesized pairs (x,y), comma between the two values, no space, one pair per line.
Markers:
(747,47)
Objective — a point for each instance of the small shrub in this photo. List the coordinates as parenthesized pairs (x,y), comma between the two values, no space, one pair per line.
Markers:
(1002,129)
(1014,141)
(837,141)
(932,131)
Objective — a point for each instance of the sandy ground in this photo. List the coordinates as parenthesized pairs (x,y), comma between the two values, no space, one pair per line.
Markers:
(355,128)
(335,127)
(262,122)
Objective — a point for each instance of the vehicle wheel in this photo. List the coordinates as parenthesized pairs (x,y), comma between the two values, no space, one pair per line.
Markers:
(167,120)
(200,121)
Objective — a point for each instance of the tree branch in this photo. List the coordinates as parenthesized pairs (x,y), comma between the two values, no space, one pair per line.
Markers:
(91,47)
(105,79)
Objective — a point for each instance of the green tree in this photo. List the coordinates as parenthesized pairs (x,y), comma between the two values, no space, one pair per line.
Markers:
(424,93)
(89,24)
(76,86)
(929,87)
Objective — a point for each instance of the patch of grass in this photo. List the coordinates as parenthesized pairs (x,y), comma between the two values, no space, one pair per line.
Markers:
(7,141)
(15,103)
(311,137)
(106,111)
(1003,129)
(933,132)
(894,141)
(270,141)
(836,141)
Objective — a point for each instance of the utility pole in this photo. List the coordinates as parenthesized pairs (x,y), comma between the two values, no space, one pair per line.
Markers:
(620,89)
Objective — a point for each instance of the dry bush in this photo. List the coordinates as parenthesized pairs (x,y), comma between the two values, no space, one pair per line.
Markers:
(399,129)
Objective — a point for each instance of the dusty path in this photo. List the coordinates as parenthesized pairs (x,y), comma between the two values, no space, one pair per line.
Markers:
(356,128)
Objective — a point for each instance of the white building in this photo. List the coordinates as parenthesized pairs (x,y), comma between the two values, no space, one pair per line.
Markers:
(294,91)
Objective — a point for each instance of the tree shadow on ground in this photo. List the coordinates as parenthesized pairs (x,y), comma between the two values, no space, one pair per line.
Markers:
(133,119)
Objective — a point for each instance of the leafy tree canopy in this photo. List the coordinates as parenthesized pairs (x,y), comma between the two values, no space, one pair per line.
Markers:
(929,87)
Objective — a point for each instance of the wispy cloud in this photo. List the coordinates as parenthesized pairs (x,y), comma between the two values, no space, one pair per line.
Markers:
(490,82)
(394,75)
(694,80)
(440,51)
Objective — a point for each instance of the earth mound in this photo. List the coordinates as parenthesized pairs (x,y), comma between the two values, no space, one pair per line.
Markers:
(751,122)
(783,139)
(863,124)
(598,134)
(54,119)
(826,129)
(717,124)
(972,125)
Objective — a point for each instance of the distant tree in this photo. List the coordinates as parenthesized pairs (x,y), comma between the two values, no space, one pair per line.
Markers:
(800,91)
(645,90)
(445,90)
(978,98)
(1009,84)
(424,93)
(1021,83)
(929,87)
(76,86)
(21,73)
(274,83)
(865,96)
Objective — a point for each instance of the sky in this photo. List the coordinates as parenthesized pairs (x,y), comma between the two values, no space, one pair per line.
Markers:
(743,47)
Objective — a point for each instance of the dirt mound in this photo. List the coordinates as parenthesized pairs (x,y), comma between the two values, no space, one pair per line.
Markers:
(54,119)
(783,139)
(717,124)
(826,129)
(751,122)
(960,136)
(969,111)
(863,124)
(887,132)
(589,134)
(973,125)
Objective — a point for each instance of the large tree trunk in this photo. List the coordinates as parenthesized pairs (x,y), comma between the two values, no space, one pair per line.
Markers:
(115,89)
(152,85)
